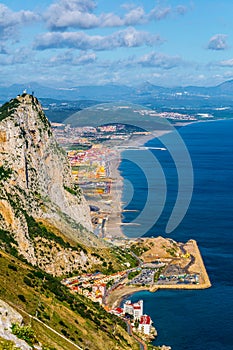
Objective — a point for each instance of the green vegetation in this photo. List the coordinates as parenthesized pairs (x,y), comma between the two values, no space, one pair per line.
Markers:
(8,243)
(110,259)
(4,173)
(37,229)
(139,248)
(110,112)
(75,191)
(7,345)
(158,273)
(133,274)
(74,147)
(124,257)
(172,251)
(110,283)
(24,332)
(44,120)
(73,315)
(8,108)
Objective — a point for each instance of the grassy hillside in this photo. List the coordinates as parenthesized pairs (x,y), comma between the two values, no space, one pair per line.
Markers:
(30,290)
(122,113)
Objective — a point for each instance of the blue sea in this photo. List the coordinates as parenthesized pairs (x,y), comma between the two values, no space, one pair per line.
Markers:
(193,320)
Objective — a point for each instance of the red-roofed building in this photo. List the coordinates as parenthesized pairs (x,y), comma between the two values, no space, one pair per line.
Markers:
(118,311)
(145,324)
(134,309)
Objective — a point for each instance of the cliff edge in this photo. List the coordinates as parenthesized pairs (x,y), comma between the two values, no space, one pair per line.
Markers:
(37,196)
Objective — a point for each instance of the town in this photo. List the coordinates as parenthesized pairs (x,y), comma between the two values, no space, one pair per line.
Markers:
(161,273)
(97,286)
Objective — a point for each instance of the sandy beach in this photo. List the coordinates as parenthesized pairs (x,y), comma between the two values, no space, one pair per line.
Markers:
(113,227)
(113,224)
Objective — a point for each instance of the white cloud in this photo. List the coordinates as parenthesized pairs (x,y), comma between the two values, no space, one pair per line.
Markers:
(80,14)
(227,63)
(9,21)
(129,37)
(159,60)
(159,13)
(69,58)
(135,16)
(19,56)
(218,42)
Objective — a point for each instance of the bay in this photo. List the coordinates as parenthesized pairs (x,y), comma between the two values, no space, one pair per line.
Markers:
(194,320)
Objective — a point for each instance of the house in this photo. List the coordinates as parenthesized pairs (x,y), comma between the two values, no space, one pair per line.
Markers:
(145,324)
(118,311)
(134,309)
(99,289)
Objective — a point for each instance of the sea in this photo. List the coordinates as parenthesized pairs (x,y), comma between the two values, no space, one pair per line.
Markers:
(186,319)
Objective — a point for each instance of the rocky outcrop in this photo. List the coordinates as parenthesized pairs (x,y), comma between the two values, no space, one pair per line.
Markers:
(36,180)
(9,316)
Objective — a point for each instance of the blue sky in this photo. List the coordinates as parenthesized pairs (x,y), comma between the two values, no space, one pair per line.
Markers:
(65,43)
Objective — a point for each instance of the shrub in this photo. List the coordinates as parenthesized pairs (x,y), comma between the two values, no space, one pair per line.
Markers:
(4,173)
(24,332)
(27,281)
(12,267)
(22,298)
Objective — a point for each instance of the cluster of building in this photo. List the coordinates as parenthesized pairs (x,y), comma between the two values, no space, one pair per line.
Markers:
(90,167)
(167,115)
(140,322)
(96,286)
(93,286)
(88,135)
(179,279)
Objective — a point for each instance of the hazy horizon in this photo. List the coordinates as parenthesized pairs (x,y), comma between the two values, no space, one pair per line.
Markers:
(85,42)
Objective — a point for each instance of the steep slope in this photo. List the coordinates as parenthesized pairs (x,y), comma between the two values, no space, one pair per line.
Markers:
(43,215)
(29,151)
(73,316)
(45,230)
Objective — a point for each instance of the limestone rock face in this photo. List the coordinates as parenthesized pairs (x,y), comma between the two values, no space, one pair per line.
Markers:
(35,177)
(8,316)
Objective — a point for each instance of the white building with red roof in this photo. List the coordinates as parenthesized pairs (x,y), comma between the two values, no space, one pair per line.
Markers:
(145,324)
(134,309)
(118,311)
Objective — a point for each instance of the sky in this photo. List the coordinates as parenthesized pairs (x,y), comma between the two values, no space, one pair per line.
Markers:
(66,43)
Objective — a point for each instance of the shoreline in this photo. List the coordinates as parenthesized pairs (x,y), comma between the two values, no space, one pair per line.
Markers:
(114,224)
(116,297)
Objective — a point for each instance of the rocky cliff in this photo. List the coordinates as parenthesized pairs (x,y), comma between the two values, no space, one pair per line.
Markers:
(38,200)
(8,317)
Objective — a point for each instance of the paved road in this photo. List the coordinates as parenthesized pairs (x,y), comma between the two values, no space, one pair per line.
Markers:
(143,345)
(192,260)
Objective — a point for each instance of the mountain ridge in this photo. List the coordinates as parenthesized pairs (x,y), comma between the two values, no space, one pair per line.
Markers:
(113,92)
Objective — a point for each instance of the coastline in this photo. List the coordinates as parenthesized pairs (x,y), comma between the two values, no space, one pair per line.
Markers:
(113,226)
(115,298)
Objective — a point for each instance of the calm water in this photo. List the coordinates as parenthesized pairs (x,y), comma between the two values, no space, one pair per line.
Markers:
(195,320)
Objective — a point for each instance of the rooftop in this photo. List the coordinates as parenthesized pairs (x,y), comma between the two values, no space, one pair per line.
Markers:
(145,319)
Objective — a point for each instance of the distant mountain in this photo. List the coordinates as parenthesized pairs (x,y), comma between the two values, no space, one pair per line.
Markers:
(118,113)
(109,92)
(225,88)
(116,92)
